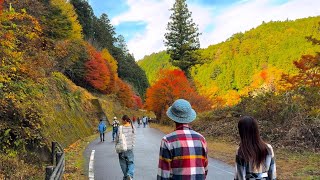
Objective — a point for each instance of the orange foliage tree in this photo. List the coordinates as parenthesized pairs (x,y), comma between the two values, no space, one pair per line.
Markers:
(125,93)
(1,6)
(309,72)
(21,51)
(172,85)
(101,74)
(113,67)
(137,101)
(97,70)
(266,80)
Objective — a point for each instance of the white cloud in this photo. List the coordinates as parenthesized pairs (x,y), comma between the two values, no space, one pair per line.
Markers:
(240,16)
(244,16)
(156,15)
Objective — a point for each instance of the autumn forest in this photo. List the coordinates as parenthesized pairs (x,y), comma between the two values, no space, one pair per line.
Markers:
(56,57)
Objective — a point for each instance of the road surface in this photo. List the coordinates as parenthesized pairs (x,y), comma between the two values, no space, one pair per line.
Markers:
(104,164)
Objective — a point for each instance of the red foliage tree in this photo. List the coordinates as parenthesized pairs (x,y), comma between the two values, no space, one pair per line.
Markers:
(125,94)
(137,101)
(172,85)
(309,72)
(97,70)
(1,6)
(112,66)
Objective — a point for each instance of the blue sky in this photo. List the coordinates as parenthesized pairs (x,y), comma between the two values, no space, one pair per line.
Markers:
(143,22)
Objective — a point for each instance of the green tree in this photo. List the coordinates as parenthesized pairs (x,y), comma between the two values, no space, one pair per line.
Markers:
(121,44)
(85,17)
(182,38)
(104,33)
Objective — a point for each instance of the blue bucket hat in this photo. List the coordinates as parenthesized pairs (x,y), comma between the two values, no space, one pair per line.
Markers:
(181,112)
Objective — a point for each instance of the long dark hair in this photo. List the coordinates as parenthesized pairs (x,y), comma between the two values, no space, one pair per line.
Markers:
(127,119)
(252,148)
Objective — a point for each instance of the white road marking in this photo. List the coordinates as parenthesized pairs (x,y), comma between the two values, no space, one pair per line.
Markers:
(91,163)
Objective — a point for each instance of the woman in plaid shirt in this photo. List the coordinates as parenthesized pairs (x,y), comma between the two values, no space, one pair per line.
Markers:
(183,153)
(254,158)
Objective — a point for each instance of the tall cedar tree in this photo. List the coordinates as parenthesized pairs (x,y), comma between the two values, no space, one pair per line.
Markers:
(182,38)
(104,33)
(85,17)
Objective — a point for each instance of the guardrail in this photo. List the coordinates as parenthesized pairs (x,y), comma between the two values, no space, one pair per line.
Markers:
(55,172)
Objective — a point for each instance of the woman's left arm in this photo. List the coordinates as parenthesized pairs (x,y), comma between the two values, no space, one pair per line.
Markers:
(272,172)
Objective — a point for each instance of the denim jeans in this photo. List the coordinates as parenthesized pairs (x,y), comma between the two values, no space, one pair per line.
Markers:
(114,132)
(126,160)
(102,136)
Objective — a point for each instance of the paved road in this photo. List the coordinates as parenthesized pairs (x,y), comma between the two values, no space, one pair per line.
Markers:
(106,164)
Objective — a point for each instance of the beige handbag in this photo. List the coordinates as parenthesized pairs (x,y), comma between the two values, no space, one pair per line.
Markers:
(121,145)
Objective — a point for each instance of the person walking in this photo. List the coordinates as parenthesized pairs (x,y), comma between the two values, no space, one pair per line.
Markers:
(102,128)
(126,158)
(144,119)
(115,125)
(134,120)
(138,121)
(254,157)
(183,153)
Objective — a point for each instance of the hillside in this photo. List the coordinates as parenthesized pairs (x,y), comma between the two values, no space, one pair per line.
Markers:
(55,84)
(270,73)
(151,64)
(231,66)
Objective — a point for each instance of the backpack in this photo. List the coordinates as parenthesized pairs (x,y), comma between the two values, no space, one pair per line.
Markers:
(121,145)
(102,127)
(116,123)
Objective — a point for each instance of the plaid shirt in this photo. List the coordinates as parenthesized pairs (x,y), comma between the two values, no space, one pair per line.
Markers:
(245,171)
(183,155)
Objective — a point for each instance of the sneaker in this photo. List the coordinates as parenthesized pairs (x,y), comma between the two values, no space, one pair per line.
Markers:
(129,178)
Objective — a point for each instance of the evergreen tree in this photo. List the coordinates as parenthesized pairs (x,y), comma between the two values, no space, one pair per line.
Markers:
(104,33)
(182,38)
(121,44)
(85,17)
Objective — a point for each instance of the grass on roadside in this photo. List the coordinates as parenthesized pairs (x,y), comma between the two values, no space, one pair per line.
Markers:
(75,162)
(290,165)
(15,167)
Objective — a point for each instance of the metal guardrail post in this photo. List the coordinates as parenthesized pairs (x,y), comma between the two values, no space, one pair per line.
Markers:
(53,149)
(49,171)
(58,157)
(55,172)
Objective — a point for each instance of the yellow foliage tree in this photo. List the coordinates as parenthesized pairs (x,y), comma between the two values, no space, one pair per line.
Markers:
(231,98)
(68,11)
(109,58)
(265,80)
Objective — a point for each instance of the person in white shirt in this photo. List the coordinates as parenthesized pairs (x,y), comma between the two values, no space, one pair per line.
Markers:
(115,125)
(144,119)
